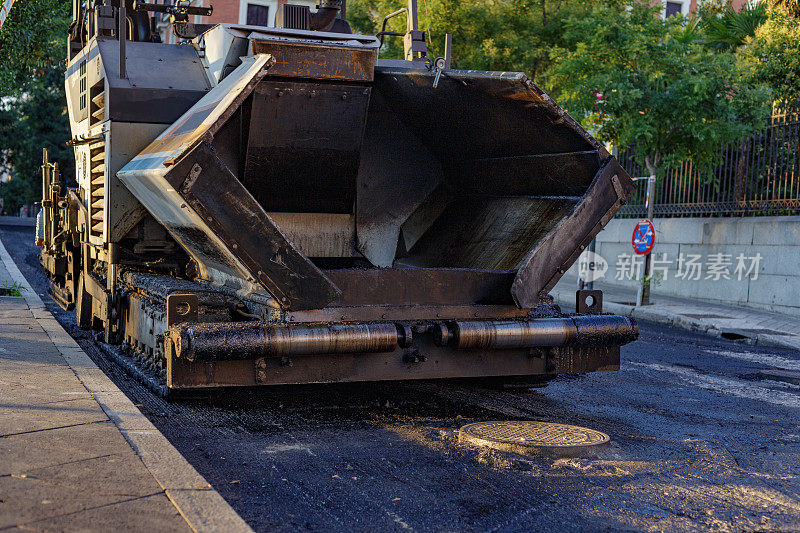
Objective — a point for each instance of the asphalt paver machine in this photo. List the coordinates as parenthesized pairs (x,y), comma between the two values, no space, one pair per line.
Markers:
(277,205)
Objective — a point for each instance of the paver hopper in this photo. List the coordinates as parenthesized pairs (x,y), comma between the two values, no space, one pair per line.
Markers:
(345,218)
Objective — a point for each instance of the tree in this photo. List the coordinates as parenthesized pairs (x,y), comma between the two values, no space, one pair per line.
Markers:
(32,101)
(29,123)
(730,28)
(510,35)
(32,39)
(790,7)
(772,55)
(637,80)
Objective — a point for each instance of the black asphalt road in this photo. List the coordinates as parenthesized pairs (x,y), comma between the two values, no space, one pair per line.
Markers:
(698,442)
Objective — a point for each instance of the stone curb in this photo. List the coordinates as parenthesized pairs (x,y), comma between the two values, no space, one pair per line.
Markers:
(660,315)
(200,505)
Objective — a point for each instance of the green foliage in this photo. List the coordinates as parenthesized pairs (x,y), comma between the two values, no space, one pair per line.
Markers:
(731,28)
(772,55)
(675,88)
(510,35)
(15,289)
(664,90)
(32,40)
(34,120)
(32,102)
(789,7)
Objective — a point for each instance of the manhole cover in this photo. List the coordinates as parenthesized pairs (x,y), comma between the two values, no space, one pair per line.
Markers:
(531,437)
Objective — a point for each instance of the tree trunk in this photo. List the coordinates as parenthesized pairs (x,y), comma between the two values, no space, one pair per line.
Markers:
(544,13)
(651,162)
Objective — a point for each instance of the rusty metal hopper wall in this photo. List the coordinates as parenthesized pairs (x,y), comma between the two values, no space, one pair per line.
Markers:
(193,191)
(378,168)
(482,172)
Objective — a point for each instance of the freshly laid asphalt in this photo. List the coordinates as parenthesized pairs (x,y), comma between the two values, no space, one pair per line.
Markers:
(699,441)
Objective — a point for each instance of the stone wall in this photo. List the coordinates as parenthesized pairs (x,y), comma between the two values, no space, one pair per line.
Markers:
(750,261)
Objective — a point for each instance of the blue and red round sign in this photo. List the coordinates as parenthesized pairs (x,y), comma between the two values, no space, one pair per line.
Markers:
(644,237)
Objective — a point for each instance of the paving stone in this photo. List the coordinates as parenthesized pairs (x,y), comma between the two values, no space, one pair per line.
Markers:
(64,465)
(109,474)
(154,513)
(23,453)
(28,500)
(8,303)
(17,420)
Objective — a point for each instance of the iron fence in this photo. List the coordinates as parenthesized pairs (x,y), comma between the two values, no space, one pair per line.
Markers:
(759,175)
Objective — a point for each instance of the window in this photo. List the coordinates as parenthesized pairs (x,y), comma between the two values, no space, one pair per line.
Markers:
(257,15)
(673,8)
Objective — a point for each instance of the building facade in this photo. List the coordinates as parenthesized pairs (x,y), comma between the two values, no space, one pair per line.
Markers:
(250,12)
(262,12)
(674,7)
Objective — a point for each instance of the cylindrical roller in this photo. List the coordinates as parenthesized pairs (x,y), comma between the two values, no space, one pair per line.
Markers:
(586,330)
(605,330)
(496,334)
(225,342)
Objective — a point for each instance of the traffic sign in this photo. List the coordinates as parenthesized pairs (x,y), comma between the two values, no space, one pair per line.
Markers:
(644,237)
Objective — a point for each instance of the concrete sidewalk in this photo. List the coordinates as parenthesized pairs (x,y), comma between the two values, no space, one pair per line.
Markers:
(75,453)
(728,321)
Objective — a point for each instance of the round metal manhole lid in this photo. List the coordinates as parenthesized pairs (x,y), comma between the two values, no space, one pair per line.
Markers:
(532,437)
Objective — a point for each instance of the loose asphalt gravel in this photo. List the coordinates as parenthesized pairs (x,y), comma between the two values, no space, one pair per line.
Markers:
(699,441)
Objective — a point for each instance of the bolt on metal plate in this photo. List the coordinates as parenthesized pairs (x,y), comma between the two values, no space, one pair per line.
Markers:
(182,308)
(528,437)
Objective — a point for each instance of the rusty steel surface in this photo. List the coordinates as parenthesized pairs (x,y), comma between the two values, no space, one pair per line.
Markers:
(319,234)
(546,262)
(314,60)
(580,359)
(303,145)
(489,233)
(594,331)
(488,115)
(246,231)
(589,301)
(487,334)
(182,308)
(207,115)
(353,367)
(421,286)
(436,363)
(370,313)
(230,341)
(605,330)
(527,437)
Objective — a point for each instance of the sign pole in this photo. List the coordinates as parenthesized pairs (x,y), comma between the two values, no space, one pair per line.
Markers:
(5,7)
(587,284)
(643,295)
